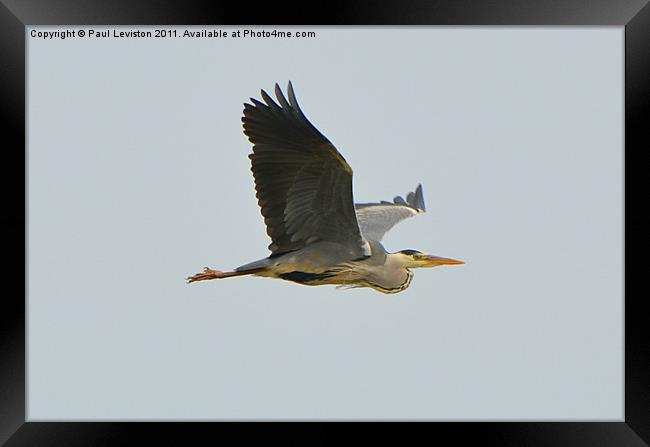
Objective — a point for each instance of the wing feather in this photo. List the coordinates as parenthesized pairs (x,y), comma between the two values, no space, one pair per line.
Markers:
(303,184)
(376,219)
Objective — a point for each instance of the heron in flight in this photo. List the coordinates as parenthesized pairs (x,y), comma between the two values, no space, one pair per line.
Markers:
(304,189)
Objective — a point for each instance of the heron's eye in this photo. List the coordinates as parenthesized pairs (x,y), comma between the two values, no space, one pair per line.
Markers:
(410,252)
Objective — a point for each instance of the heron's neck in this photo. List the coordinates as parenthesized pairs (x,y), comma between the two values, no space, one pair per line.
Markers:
(390,277)
(398,260)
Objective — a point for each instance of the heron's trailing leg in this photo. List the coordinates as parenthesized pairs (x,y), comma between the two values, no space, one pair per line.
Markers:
(208,273)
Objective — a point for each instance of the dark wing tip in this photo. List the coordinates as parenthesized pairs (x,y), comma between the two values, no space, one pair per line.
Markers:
(414,200)
(278,94)
(294,101)
(419,198)
(268,100)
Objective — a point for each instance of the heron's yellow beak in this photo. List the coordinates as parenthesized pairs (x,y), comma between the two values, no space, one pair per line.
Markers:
(434,261)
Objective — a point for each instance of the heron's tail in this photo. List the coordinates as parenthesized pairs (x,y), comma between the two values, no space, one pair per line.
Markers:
(208,273)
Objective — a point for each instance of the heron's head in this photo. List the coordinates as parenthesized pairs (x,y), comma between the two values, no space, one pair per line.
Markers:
(417,259)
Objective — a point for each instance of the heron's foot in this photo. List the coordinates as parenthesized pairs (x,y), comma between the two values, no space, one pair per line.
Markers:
(206,274)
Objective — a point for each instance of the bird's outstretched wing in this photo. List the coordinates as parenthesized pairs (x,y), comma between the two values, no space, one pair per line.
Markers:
(303,184)
(375,219)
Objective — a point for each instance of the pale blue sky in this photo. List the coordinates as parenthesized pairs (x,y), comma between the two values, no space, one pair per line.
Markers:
(138,176)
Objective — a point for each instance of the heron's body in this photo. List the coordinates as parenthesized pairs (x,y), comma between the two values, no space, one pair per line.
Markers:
(304,189)
(322,263)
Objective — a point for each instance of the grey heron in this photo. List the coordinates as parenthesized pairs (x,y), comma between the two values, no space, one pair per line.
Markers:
(304,190)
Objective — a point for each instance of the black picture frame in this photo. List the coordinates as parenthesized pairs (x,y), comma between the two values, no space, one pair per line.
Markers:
(634,15)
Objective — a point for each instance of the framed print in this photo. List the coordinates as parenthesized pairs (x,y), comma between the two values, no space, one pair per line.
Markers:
(506,130)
